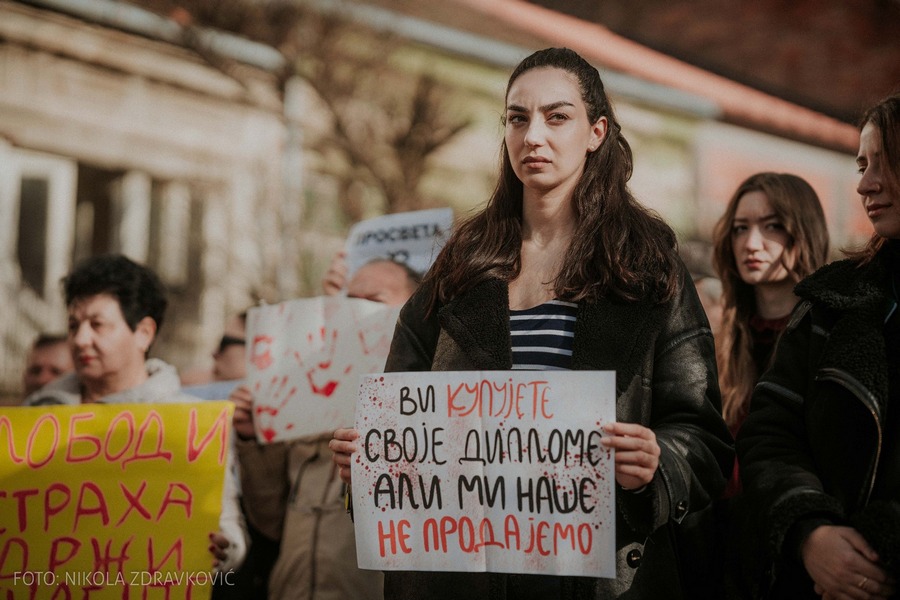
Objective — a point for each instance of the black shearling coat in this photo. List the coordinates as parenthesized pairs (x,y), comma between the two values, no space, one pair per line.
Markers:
(814,441)
(665,379)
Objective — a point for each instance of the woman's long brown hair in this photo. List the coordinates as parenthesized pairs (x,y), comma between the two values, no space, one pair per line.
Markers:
(619,247)
(800,212)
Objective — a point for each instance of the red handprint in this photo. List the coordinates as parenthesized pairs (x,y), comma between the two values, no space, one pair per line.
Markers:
(327,387)
(275,396)
(374,334)
(374,340)
(261,353)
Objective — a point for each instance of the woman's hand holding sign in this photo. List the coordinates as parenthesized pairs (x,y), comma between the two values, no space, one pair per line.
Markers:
(637,453)
(218,547)
(343,446)
(242,421)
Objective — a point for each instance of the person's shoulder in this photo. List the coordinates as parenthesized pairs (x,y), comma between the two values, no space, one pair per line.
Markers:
(63,390)
(833,272)
(842,284)
(162,386)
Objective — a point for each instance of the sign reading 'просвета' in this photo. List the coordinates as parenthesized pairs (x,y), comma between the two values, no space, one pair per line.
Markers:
(499,471)
(413,238)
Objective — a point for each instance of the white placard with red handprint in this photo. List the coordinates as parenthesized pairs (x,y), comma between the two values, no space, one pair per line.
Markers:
(305,358)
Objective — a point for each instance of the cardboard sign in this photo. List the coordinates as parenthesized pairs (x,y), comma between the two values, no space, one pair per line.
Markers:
(413,238)
(305,360)
(111,501)
(499,471)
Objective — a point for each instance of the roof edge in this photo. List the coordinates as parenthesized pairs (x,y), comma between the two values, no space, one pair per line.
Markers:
(739,103)
(137,20)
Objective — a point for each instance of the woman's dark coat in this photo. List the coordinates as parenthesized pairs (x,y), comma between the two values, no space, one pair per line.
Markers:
(811,445)
(665,379)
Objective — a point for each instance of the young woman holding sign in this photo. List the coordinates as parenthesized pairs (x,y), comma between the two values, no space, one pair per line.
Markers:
(563,239)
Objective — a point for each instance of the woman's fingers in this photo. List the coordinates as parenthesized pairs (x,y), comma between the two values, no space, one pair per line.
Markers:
(630,438)
(336,276)
(342,446)
(218,547)
(843,565)
(637,453)
(242,420)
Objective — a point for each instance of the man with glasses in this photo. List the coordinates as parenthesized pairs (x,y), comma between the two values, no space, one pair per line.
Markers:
(229,362)
(229,359)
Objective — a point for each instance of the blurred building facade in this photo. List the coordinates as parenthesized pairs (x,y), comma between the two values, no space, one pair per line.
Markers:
(124,131)
(119,133)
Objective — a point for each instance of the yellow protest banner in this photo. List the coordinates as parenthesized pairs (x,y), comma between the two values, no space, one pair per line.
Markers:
(110,501)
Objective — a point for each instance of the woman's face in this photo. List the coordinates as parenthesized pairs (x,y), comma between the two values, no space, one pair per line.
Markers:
(104,347)
(548,135)
(879,196)
(760,241)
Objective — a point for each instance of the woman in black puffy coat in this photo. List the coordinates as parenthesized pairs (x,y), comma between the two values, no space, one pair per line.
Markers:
(820,450)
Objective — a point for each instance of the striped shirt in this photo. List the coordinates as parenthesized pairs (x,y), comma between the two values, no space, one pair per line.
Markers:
(542,336)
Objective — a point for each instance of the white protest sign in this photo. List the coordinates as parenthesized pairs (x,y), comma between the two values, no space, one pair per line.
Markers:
(305,358)
(413,238)
(499,471)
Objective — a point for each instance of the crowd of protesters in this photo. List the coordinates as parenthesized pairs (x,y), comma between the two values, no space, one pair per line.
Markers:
(801,376)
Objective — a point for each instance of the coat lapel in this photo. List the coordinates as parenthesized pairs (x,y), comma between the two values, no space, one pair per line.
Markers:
(856,342)
(478,321)
(609,335)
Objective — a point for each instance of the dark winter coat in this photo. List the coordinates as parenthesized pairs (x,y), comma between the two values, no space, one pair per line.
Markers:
(665,379)
(814,439)
(293,496)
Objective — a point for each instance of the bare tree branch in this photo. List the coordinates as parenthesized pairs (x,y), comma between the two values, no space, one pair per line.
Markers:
(384,134)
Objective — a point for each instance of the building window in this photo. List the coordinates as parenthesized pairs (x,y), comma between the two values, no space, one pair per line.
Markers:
(34,204)
(43,196)
(94,225)
(170,232)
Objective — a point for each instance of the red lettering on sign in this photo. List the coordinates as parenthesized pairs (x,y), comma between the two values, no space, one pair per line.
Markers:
(51,509)
(29,448)
(220,425)
(103,559)
(396,535)
(75,438)
(4,556)
(55,560)
(134,502)
(169,498)
(5,424)
(128,419)
(153,418)
(176,550)
(21,496)
(83,509)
